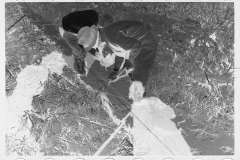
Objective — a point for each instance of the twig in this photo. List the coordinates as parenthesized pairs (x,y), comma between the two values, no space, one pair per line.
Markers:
(207,78)
(96,123)
(15,23)
(55,83)
(66,79)
(11,85)
(119,145)
(129,142)
(49,101)
(112,136)
(125,149)
(90,146)
(10,72)
(69,141)
(7,88)
(36,115)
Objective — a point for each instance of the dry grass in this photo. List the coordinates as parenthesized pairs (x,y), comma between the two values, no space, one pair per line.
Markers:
(195,78)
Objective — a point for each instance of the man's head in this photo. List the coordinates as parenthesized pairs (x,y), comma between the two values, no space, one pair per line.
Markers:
(76,20)
(87,37)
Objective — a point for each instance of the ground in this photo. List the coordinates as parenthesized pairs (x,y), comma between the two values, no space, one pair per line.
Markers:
(193,72)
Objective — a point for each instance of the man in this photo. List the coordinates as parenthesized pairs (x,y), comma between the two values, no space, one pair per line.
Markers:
(131,44)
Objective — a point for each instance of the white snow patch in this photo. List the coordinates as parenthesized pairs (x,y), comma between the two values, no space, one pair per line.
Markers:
(192,42)
(156,116)
(207,44)
(136,90)
(30,83)
(213,36)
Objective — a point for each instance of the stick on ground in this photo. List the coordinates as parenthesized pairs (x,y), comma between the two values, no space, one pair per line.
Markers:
(112,136)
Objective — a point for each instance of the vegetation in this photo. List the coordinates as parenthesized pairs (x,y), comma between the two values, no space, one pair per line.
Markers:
(193,72)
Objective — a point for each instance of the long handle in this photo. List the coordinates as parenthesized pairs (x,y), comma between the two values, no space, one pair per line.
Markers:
(112,136)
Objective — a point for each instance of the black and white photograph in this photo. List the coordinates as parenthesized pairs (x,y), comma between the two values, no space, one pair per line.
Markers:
(129,79)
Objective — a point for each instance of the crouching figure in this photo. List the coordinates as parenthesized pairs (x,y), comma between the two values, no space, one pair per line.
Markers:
(130,46)
(132,43)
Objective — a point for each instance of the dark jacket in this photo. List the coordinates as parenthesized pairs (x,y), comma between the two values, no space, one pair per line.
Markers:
(129,35)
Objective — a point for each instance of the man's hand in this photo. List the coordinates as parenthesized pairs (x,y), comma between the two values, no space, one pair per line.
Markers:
(106,50)
(113,75)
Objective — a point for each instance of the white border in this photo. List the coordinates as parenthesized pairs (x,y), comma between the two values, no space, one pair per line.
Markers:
(237,79)
(2,72)
(237,87)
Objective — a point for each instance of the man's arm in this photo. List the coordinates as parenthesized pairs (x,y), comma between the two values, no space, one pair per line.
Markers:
(118,63)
